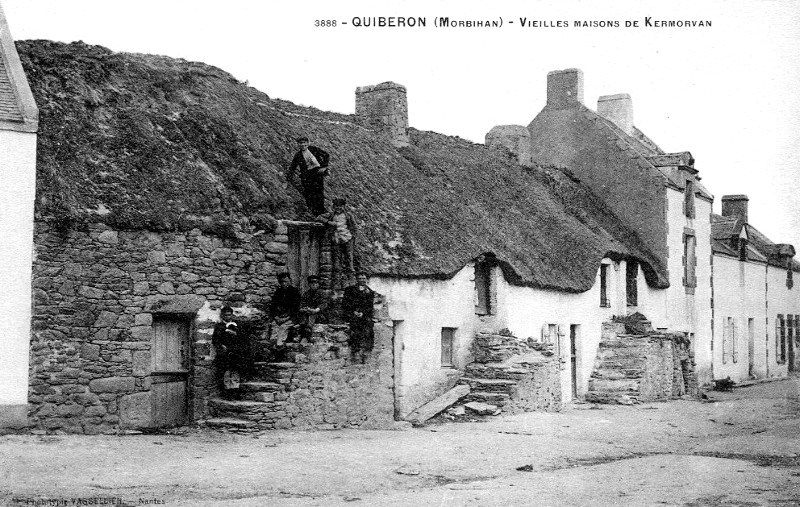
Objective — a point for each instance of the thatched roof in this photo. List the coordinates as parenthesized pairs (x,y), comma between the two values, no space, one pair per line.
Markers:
(141,141)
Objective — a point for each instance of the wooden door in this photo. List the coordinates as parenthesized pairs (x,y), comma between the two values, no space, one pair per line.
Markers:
(304,253)
(170,371)
(573,356)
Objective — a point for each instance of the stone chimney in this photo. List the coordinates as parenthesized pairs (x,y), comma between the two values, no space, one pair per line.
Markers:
(384,106)
(735,206)
(513,138)
(619,109)
(564,88)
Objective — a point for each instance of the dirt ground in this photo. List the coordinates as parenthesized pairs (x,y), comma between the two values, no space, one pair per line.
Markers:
(740,448)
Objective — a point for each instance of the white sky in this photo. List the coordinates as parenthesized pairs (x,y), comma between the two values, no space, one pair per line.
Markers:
(729,93)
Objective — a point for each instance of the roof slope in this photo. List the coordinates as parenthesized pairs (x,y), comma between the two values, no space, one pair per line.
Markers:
(139,141)
(759,247)
(17,108)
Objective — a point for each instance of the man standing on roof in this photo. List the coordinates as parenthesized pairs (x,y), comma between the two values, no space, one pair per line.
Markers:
(313,164)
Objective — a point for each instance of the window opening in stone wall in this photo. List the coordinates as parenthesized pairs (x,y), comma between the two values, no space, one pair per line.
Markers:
(448,345)
(780,339)
(689,263)
(303,258)
(483,288)
(604,302)
(789,278)
(751,345)
(790,326)
(631,290)
(688,202)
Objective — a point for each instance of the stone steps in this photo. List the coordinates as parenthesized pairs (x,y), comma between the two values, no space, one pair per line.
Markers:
(495,371)
(492,398)
(490,385)
(230,423)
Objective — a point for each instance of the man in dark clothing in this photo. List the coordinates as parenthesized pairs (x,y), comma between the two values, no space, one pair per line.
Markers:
(283,309)
(231,351)
(357,306)
(312,307)
(313,164)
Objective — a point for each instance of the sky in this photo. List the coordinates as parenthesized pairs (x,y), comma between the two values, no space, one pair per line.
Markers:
(727,93)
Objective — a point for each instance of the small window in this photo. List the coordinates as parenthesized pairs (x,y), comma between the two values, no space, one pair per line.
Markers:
(789,278)
(689,262)
(631,290)
(688,205)
(780,339)
(448,343)
(483,288)
(604,302)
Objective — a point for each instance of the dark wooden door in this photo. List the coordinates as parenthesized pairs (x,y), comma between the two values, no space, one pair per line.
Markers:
(573,356)
(304,252)
(170,371)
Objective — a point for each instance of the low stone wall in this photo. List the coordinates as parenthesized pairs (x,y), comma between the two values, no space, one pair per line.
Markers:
(321,387)
(643,367)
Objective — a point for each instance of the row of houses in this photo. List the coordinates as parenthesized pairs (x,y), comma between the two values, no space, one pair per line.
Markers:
(151,191)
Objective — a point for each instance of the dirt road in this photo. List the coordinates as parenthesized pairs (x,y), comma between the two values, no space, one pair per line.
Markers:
(740,449)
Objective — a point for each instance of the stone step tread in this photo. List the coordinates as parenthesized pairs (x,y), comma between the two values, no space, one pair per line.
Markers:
(229,422)
(234,404)
(255,386)
(488,381)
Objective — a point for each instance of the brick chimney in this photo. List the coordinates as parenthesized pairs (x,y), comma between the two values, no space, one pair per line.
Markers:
(384,106)
(564,88)
(735,206)
(619,109)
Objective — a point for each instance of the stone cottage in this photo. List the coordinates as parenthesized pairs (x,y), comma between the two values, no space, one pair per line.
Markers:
(162,195)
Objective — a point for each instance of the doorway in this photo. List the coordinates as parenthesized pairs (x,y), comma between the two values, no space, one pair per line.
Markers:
(751,345)
(574,331)
(397,364)
(170,370)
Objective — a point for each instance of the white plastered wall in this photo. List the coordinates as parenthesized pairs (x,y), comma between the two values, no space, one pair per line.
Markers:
(422,307)
(739,293)
(780,300)
(18,171)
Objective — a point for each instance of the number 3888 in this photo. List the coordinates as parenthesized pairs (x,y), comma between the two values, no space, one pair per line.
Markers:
(325,22)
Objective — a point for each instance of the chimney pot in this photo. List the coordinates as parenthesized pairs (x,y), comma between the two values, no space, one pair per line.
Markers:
(564,88)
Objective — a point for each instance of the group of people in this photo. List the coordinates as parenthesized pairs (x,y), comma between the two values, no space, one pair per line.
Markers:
(291,317)
(291,314)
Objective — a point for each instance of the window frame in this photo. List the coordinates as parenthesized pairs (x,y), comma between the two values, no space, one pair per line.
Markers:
(447,334)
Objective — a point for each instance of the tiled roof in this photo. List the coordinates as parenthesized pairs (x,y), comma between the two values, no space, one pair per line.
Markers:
(760,248)
(9,107)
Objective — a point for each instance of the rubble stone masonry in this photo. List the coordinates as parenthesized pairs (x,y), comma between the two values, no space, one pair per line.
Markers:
(96,293)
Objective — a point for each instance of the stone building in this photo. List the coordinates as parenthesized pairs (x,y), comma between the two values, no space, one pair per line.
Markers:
(162,195)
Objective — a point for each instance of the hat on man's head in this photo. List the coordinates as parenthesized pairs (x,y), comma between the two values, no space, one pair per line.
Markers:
(339,201)
(226,309)
(313,278)
(283,275)
(302,139)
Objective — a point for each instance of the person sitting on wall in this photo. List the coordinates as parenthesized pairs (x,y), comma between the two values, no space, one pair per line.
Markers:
(344,231)
(231,354)
(284,309)
(312,307)
(313,165)
(358,308)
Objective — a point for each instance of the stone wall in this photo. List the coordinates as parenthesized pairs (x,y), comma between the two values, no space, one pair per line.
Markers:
(96,293)
(385,106)
(634,368)
(319,386)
